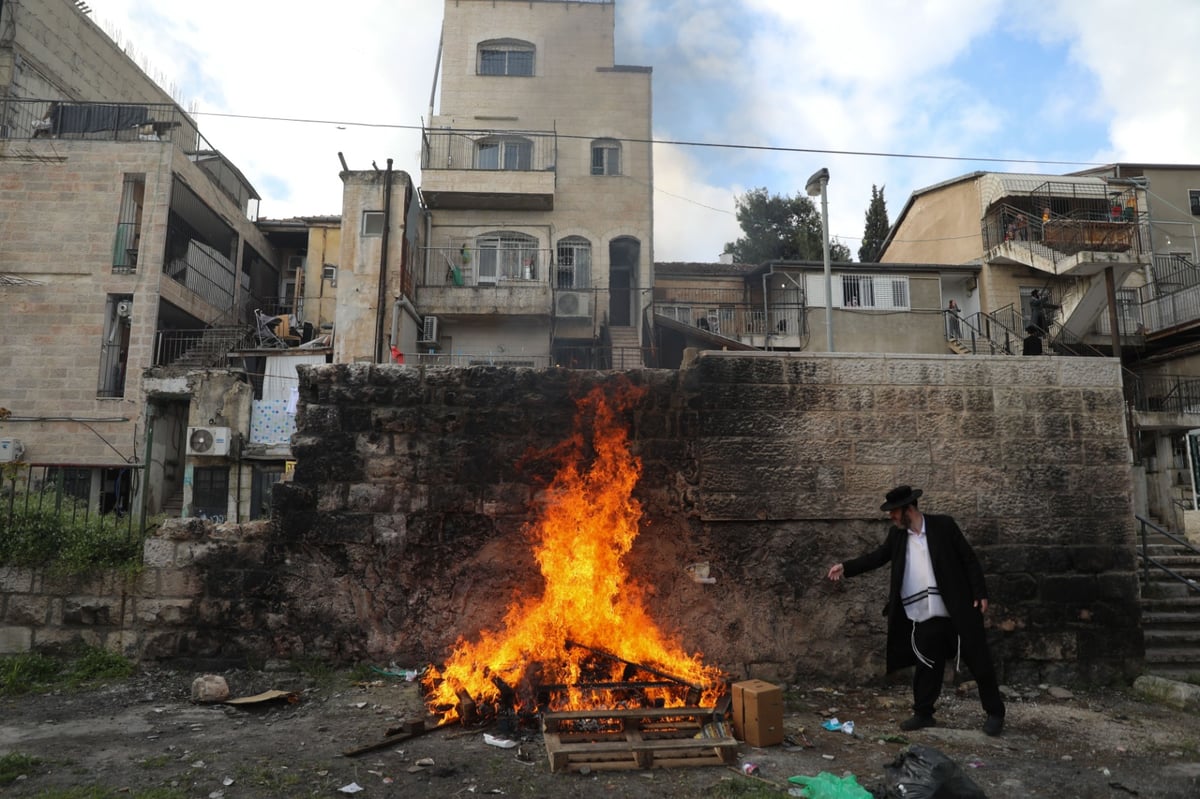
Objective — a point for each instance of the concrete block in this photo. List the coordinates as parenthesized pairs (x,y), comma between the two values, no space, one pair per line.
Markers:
(15,640)
(1184,696)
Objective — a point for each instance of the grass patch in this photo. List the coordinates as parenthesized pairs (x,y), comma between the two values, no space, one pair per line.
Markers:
(318,670)
(14,764)
(30,672)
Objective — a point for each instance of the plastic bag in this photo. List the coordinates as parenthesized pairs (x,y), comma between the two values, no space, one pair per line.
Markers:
(830,786)
(920,772)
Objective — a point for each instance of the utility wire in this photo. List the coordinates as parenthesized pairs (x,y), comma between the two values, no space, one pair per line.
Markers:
(677,142)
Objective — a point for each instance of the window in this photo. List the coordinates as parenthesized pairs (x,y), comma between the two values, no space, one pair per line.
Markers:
(879,292)
(75,482)
(262,482)
(573,264)
(372,223)
(329,272)
(1194,201)
(129,225)
(510,57)
(114,347)
(210,492)
(504,152)
(606,157)
(680,313)
(506,256)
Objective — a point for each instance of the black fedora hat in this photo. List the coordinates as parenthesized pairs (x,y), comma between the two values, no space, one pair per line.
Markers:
(900,496)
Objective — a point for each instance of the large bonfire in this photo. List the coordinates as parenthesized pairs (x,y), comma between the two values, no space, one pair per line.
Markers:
(589,629)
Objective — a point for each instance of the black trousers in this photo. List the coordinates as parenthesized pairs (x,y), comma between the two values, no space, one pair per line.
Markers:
(937,642)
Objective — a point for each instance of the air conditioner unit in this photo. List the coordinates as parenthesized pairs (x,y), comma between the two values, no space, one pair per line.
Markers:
(11,450)
(429,331)
(572,303)
(207,441)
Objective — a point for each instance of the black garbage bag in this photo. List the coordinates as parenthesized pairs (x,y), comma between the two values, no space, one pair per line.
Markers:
(920,772)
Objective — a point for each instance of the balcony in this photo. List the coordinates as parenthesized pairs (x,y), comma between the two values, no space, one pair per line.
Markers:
(728,314)
(509,278)
(494,170)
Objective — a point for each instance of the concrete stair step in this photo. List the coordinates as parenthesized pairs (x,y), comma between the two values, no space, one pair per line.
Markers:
(1158,638)
(1178,656)
(1182,673)
(1171,620)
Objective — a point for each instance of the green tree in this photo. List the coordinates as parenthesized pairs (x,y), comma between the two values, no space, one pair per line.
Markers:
(780,228)
(876,229)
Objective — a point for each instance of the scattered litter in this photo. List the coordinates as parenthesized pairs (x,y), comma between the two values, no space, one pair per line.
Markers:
(227,781)
(291,697)
(827,757)
(848,727)
(922,771)
(503,743)
(425,761)
(523,756)
(359,705)
(700,573)
(832,724)
(830,786)
(1106,772)
(408,675)
(750,769)
(977,763)
(353,787)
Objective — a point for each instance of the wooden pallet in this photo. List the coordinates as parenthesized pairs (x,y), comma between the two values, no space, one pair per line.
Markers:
(636,739)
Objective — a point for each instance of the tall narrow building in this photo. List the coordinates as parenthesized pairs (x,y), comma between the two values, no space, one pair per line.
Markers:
(537,178)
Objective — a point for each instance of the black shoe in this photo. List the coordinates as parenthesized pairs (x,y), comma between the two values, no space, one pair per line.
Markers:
(917,722)
(994,725)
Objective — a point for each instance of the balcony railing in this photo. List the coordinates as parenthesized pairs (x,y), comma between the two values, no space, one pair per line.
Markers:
(1164,394)
(62,119)
(1065,234)
(504,151)
(715,311)
(471,265)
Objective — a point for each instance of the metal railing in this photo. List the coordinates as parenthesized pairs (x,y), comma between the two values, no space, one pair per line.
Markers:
(1065,234)
(469,265)
(200,348)
(66,119)
(489,150)
(125,248)
(1164,394)
(1144,525)
(45,509)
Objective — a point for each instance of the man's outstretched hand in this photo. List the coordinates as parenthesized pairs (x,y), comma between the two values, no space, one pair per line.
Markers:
(837,570)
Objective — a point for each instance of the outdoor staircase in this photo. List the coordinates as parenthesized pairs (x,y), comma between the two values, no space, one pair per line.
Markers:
(212,347)
(626,348)
(1171,610)
(172,507)
(957,347)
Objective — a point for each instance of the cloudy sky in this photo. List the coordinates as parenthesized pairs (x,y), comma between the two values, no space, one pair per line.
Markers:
(861,87)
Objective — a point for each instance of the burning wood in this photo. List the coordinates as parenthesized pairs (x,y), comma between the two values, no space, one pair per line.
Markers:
(587,641)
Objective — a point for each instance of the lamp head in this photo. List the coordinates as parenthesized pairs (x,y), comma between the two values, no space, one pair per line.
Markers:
(817,182)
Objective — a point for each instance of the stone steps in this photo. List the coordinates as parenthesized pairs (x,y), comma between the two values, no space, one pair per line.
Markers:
(1171,611)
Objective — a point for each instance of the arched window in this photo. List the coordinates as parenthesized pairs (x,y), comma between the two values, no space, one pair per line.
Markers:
(511,57)
(504,152)
(606,157)
(505,255)
(573,263)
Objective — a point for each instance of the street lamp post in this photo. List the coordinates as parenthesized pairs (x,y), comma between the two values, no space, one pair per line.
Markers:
(816,185)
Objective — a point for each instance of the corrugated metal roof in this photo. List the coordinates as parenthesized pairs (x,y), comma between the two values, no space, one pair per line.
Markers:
(995,186)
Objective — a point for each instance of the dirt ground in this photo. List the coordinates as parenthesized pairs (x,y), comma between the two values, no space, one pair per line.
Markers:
(145,733)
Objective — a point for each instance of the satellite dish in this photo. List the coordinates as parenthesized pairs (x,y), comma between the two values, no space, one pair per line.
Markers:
(201,440)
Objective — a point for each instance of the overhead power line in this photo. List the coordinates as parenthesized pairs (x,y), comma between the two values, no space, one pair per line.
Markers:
(676,142)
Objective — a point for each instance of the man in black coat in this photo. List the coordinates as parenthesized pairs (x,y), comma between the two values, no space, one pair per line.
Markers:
(935,608)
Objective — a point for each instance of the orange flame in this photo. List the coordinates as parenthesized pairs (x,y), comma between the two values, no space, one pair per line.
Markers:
(589,605)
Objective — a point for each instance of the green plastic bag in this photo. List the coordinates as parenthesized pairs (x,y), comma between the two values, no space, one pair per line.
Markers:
(830,786)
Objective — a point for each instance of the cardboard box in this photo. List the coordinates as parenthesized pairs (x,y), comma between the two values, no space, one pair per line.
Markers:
(758,712)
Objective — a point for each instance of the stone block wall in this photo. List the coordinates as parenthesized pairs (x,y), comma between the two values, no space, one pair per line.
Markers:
(404,528)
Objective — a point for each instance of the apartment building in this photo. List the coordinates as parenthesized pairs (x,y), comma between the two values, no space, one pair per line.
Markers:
(536,179)
(1115,251)
(129,267)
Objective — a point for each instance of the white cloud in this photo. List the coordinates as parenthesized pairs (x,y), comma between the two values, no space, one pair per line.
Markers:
(692,220)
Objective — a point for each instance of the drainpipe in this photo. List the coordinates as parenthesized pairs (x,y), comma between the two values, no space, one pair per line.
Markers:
(402,303)
(428,240)
(383,262)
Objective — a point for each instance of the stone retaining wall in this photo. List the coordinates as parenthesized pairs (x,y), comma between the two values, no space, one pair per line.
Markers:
(403,528)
